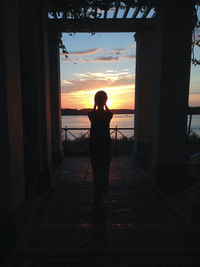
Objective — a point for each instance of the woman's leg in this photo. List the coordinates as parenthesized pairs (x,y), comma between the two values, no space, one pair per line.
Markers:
(100,167)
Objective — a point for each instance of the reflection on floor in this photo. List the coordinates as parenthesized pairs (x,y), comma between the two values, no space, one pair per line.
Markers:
(138,227)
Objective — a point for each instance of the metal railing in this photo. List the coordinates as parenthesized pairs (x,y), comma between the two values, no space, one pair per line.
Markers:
(116,135)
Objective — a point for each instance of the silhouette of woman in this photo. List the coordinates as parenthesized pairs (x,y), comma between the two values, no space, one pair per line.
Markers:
(100,145)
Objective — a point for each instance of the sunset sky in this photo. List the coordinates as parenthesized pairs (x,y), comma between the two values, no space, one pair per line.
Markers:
(106,62)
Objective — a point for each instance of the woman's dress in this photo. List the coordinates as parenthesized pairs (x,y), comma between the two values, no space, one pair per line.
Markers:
(100,149)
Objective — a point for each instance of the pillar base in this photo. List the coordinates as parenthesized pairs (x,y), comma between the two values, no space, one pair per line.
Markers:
(172,177)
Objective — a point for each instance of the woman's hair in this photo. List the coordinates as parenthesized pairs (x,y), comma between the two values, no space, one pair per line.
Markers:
(100,98)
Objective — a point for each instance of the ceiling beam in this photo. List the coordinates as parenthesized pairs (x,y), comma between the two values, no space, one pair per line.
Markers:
(136,11)
(126,12)
(146,12)
(102,25)
(105,14)
(116,11)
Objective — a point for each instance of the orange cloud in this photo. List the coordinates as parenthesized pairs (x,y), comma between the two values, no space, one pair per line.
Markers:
(103,59)
(86,51)
(116,51)
(80,93)
(112,55)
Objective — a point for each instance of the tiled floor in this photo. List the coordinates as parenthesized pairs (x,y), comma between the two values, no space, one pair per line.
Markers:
(137,225)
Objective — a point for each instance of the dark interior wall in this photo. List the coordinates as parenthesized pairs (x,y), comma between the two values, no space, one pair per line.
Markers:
(25,112)
(35,96)
(55,95)
(171,91)
(29,62)
(44,81)
(12,191)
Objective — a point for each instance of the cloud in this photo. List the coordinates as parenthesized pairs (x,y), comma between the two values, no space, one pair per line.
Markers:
(130,57)
(79,92)
(102,59)
(116,51)
(74,60)
(92,75)
(85,52)
(124,81)
(88,81)
(111,76)
(111,71)
(79,86)
(113,55)
(65,82)
(109,58)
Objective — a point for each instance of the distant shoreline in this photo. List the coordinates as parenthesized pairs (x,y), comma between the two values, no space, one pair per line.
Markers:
(194,110)
(77,112)
(72,112)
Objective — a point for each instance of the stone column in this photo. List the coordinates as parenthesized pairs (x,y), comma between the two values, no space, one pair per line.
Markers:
(30,86)
(144,89)
(172,63)
(55,96)
(45,105)
(43,96)
(35,96)
(12,185)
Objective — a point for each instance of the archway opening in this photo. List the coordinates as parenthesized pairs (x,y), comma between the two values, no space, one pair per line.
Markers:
(103,61)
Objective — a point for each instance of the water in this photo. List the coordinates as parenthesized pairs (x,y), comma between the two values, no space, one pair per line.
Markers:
(195,125)
(119,120)
(82,121)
